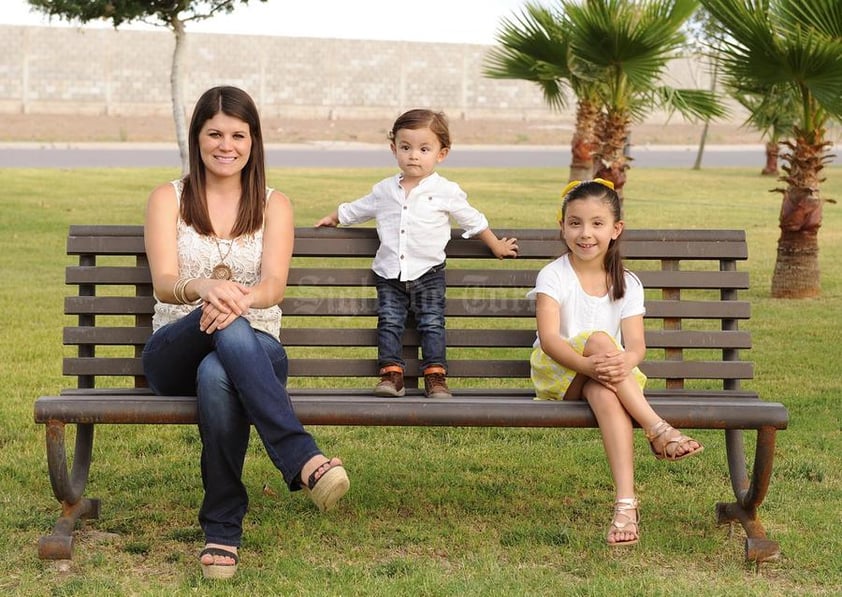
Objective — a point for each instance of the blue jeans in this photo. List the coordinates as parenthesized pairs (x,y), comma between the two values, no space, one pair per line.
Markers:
(238,375)
(423,297)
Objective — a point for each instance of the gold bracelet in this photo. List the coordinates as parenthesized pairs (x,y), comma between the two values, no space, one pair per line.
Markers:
(179,290)
(176,291)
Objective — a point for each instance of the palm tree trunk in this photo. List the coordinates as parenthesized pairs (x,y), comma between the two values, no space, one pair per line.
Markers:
(797,265)
(771,167)
(583,144)
(796,272)
(610,160)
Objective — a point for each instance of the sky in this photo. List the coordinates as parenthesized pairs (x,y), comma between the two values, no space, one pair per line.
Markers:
(456,21)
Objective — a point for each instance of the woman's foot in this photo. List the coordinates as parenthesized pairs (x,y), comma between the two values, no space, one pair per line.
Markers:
(326,481)
(219,561)
(668,443)
(624,527)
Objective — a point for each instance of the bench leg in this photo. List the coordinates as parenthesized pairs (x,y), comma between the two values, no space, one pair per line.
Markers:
(68,488)
(750,494)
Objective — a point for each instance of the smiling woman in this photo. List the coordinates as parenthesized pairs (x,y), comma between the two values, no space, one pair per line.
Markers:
(217,321)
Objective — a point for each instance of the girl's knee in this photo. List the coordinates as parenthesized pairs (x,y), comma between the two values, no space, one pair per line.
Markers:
(599,343)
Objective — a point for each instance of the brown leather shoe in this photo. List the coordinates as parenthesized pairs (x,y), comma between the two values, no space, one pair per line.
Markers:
(435,383)
(391,382)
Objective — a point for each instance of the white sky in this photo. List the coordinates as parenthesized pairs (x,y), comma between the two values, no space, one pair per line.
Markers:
(457,21)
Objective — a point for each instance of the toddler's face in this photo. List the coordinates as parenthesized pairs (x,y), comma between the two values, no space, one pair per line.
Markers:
(417,151)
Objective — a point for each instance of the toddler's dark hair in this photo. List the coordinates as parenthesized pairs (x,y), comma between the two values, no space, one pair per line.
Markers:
(420,118)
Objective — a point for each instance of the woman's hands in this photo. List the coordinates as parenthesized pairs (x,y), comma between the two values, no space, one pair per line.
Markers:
(223,301)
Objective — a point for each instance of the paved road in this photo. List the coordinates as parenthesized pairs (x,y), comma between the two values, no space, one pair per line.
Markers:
(333,155)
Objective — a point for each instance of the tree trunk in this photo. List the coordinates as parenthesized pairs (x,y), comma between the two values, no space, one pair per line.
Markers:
(584,141)
(771,167)
(697,165)
(796,272)
(797,266)
(610,161)
(177,89)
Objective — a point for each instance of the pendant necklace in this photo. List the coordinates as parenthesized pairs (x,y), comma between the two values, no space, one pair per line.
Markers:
(220,270)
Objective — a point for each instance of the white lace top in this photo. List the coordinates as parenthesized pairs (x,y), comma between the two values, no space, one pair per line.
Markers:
(197,256)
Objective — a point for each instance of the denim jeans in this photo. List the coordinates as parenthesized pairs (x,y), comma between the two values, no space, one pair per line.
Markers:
(424,298)
(238,375)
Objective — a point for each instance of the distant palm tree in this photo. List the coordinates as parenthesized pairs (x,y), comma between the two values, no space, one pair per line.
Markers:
(630,45)
(795,45)
(611,55)
(773,112)
(535,46)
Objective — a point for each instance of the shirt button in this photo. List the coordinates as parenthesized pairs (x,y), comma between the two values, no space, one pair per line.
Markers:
(401,256)
(403,231)
(405,207)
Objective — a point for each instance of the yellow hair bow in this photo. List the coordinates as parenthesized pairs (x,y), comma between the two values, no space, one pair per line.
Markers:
(575,183)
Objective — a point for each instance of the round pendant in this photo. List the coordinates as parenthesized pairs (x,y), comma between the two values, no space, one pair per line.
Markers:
(221,272)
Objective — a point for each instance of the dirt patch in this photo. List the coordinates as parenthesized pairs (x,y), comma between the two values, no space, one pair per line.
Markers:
(50,128)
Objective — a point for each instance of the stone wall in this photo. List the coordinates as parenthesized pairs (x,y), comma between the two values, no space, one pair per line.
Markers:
(67,70)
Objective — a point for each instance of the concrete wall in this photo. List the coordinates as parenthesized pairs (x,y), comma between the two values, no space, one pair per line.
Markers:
(105,71)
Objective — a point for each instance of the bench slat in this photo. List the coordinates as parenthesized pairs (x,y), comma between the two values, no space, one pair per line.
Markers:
(485,368)
(349,306)
(109,305)
(694,279)
(137,336)
(110,275)
(481,409)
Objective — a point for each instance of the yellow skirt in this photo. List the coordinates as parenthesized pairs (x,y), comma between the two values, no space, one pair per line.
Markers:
(551,380)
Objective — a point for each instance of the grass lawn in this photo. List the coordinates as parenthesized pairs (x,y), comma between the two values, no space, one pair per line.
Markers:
(431,511)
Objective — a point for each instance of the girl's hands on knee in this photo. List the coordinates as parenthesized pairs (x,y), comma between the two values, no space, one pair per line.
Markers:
(611,369)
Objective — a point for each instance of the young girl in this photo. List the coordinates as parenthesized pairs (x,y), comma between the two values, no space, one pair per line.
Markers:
(589,312)
(413,211)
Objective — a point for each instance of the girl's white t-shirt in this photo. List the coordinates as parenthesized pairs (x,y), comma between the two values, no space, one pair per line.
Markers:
(581,312)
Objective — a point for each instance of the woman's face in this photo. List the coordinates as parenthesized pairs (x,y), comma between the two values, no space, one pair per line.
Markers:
(225,145)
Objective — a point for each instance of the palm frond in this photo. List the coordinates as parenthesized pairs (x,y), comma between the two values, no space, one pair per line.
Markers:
(765,43)
(533,47)
(632,41)
(823,15)
(692,104)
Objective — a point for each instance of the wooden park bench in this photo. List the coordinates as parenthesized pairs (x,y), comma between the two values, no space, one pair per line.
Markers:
(694,359)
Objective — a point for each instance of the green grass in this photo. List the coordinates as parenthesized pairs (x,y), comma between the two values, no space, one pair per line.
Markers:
(431,511)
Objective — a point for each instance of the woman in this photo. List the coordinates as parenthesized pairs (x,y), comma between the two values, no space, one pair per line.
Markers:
(219,244)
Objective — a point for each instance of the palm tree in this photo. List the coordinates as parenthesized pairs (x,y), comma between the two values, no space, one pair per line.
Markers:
(630,44)
(535,46)
(773,112)
(796,45)
(610,54)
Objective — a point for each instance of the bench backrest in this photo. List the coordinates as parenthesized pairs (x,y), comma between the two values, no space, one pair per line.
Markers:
(329,321)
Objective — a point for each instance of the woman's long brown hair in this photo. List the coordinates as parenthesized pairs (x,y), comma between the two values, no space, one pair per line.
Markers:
(236,103)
